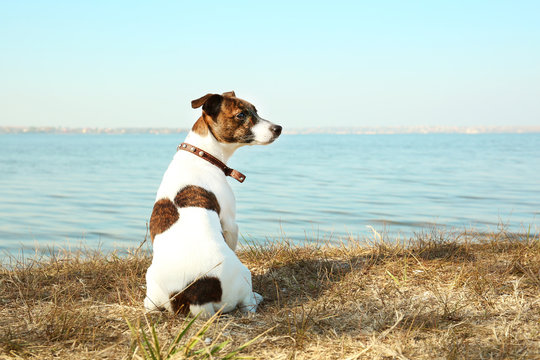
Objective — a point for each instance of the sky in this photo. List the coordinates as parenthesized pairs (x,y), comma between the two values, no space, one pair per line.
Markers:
(302,63)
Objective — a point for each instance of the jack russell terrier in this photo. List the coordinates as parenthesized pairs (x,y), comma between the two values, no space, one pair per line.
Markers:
(192,226)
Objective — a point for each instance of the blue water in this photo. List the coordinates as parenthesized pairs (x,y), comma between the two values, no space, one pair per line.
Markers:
(98,190)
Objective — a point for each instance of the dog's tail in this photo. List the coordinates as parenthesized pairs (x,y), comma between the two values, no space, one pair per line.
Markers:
(199,292)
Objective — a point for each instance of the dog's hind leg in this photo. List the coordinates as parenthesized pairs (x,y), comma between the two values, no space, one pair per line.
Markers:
(156,299)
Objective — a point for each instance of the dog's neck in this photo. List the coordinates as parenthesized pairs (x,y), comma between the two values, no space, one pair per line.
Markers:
(209,144)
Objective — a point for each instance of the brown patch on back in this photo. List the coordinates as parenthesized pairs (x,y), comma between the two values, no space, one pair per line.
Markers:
(164,215)
(201,291)
(196,196)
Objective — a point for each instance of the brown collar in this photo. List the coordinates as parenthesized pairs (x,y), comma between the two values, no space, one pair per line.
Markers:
(214,161)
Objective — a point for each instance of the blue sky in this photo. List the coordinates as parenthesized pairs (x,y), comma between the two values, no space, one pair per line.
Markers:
(303,64)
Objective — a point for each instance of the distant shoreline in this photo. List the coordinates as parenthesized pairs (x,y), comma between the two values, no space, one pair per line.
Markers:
(292,131)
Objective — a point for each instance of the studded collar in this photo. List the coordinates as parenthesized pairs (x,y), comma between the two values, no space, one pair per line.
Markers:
(213,160)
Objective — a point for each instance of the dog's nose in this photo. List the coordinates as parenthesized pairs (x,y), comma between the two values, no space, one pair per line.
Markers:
(276,129)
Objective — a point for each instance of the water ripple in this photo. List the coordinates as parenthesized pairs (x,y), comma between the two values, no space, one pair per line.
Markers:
(98,190)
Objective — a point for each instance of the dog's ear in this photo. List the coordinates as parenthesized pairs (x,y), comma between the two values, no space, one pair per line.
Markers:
(212,106)
(229,94)
(200,101)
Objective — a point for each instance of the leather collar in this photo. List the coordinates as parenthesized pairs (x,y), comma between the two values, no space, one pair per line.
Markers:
(213,160)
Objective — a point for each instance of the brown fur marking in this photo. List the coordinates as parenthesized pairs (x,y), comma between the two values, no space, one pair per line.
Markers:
(201,291)
(164,215)
(196,196)
(226,127)
(219,118)
(200,127)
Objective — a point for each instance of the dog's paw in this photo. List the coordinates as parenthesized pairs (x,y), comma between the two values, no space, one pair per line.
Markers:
(249,304)
(150,306)
(258,298)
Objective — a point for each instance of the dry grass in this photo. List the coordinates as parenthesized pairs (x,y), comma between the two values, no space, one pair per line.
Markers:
(439,296)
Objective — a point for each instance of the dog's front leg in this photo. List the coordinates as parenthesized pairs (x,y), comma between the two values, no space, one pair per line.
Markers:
(230,233)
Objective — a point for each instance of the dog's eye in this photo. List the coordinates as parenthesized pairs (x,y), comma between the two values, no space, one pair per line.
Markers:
(241,116)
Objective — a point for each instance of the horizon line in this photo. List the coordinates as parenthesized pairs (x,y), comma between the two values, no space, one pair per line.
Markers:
(338,130)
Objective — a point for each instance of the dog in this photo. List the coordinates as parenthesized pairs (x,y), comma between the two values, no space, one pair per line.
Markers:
(193,222)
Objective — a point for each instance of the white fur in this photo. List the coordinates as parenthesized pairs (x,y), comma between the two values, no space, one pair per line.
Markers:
(193,247)
(178,262)
(261,131)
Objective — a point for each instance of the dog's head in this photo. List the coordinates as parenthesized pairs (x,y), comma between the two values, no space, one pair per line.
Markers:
(233,120)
